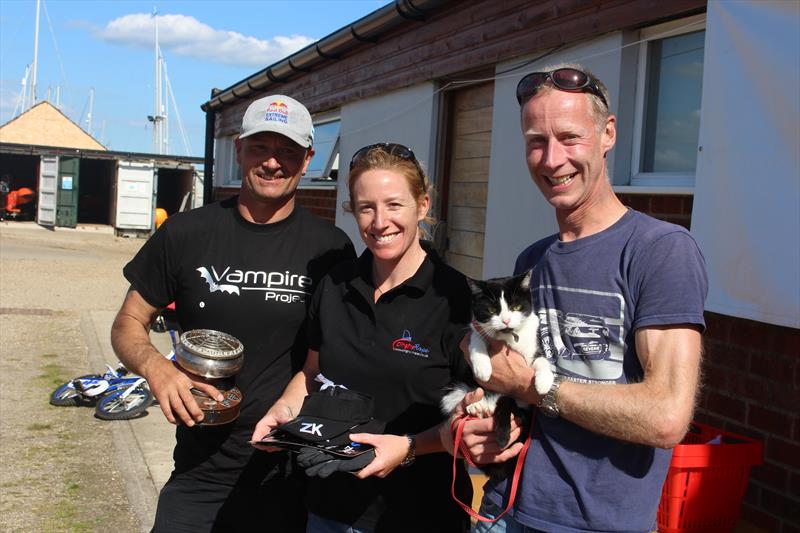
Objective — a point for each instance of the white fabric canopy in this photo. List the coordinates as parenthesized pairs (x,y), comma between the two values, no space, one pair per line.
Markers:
(746,213)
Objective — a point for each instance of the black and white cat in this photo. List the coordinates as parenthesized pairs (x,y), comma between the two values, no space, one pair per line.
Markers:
(503,310)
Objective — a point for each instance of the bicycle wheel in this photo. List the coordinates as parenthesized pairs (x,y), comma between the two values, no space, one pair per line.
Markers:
(66,395)
(115,407)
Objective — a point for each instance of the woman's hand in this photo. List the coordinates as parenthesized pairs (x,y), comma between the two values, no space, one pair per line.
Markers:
(390,450)
(278,414)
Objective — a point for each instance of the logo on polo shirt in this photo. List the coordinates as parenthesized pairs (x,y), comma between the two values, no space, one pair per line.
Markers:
(280,287)
(405,344)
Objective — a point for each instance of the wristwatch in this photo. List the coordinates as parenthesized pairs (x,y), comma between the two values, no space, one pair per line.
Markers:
(411,456)
(547,405)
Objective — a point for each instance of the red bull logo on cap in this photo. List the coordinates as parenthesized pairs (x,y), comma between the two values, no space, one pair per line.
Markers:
(277,112)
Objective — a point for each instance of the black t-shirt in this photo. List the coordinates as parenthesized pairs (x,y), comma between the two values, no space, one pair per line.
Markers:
(253,281)
(402,350)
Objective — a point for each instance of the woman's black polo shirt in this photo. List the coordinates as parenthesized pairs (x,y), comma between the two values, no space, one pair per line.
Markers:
(403,350)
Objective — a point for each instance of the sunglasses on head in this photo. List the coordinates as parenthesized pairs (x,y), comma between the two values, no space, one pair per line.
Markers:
(566,79)
(397,150)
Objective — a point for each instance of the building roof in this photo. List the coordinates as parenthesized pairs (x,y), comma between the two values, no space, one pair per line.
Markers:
(45,125)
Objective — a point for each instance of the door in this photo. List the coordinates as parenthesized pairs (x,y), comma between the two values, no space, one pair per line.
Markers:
(48,187)
(67,196)
(134,195)
(465,187)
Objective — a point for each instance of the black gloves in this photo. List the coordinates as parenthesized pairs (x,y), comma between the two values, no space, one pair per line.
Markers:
(319,463)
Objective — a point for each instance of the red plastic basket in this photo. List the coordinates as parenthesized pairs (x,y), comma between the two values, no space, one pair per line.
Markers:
(706,482)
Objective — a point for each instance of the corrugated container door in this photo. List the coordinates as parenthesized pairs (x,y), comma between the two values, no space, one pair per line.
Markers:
(48,187)
(67,197)
(134,195)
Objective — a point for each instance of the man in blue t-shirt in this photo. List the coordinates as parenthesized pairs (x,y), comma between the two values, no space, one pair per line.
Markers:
(620,300)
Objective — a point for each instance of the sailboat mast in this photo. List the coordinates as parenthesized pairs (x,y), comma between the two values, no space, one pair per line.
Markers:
(157,133)
(32,93)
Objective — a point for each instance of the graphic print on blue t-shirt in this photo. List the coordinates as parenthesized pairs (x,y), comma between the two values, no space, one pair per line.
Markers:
(281,287)
(587,347)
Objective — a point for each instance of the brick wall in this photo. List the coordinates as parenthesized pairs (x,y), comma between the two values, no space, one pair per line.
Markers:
(321,202)
(751,386)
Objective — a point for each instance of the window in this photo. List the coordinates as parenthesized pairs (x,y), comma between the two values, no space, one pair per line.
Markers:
(669,89)
(324,166)
(226,169)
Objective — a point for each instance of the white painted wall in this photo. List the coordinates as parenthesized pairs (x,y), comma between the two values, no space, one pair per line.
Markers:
(516,213)
(407,116)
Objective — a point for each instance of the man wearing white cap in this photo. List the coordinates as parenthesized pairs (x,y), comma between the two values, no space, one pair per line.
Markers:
(245,266)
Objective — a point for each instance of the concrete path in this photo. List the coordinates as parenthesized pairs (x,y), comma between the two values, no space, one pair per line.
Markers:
(144,445)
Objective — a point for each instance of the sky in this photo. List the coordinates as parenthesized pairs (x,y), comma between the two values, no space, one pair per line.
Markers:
(107,48)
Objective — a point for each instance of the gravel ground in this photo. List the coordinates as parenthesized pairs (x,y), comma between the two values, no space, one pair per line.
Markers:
(58,471)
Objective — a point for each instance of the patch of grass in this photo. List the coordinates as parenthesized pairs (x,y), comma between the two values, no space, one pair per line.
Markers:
(39,427)
(49,355)
(52,374)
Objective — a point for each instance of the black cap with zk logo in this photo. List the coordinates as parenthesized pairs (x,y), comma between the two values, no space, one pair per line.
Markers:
(329,416)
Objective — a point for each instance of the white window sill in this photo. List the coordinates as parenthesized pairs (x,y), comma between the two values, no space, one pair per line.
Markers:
(642,189)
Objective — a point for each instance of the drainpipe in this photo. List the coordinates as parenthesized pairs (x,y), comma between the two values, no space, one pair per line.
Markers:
(208,164)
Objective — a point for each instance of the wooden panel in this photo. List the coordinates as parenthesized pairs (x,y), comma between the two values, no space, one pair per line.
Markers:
(468,194)
(466,243)
(474,120)
(475,97)
(471,266)
(468,218)
(472,145)
(476,169)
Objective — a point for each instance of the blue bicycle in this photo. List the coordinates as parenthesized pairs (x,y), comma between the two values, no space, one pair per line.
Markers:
(116,394)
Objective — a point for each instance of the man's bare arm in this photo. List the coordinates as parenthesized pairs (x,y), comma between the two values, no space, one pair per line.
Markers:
(130,337)
(655,411)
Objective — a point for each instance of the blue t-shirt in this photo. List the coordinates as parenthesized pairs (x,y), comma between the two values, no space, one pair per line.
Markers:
(592,294)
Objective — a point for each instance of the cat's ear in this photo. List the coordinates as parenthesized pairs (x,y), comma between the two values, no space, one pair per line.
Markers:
(474,286)
(525,283)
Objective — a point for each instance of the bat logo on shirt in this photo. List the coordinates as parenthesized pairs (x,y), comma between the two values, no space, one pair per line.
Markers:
(213,286)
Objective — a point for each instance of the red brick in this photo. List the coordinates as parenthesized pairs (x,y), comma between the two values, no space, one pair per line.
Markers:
(794,484)
(688,205)
(758,517)
(724,405)
(787,341)
(771,421)
(636,201)
(747,334)
(667,204)
(783,396)
(773,366)
(728,355)
(784,452)
(746,386)
(771,475)
(715,377)
(718,327)
(787,509)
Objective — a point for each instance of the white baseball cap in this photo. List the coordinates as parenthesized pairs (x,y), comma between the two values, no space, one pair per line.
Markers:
(280,114)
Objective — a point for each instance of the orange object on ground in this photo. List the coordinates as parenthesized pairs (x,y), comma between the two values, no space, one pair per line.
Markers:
(161,216)
(706,481)
(19,197)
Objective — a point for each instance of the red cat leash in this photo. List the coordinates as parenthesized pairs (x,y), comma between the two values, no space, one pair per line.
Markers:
(458,445)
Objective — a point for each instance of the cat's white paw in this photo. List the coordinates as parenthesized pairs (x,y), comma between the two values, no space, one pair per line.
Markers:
(543,379)
(481,409)
(482,368)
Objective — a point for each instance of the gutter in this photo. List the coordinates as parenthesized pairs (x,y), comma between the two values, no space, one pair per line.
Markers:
(367,29)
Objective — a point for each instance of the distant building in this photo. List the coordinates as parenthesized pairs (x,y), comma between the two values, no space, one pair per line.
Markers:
(77,180)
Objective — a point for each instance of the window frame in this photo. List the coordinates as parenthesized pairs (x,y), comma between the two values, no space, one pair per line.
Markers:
(648,35)
(323,180)
(225,166)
